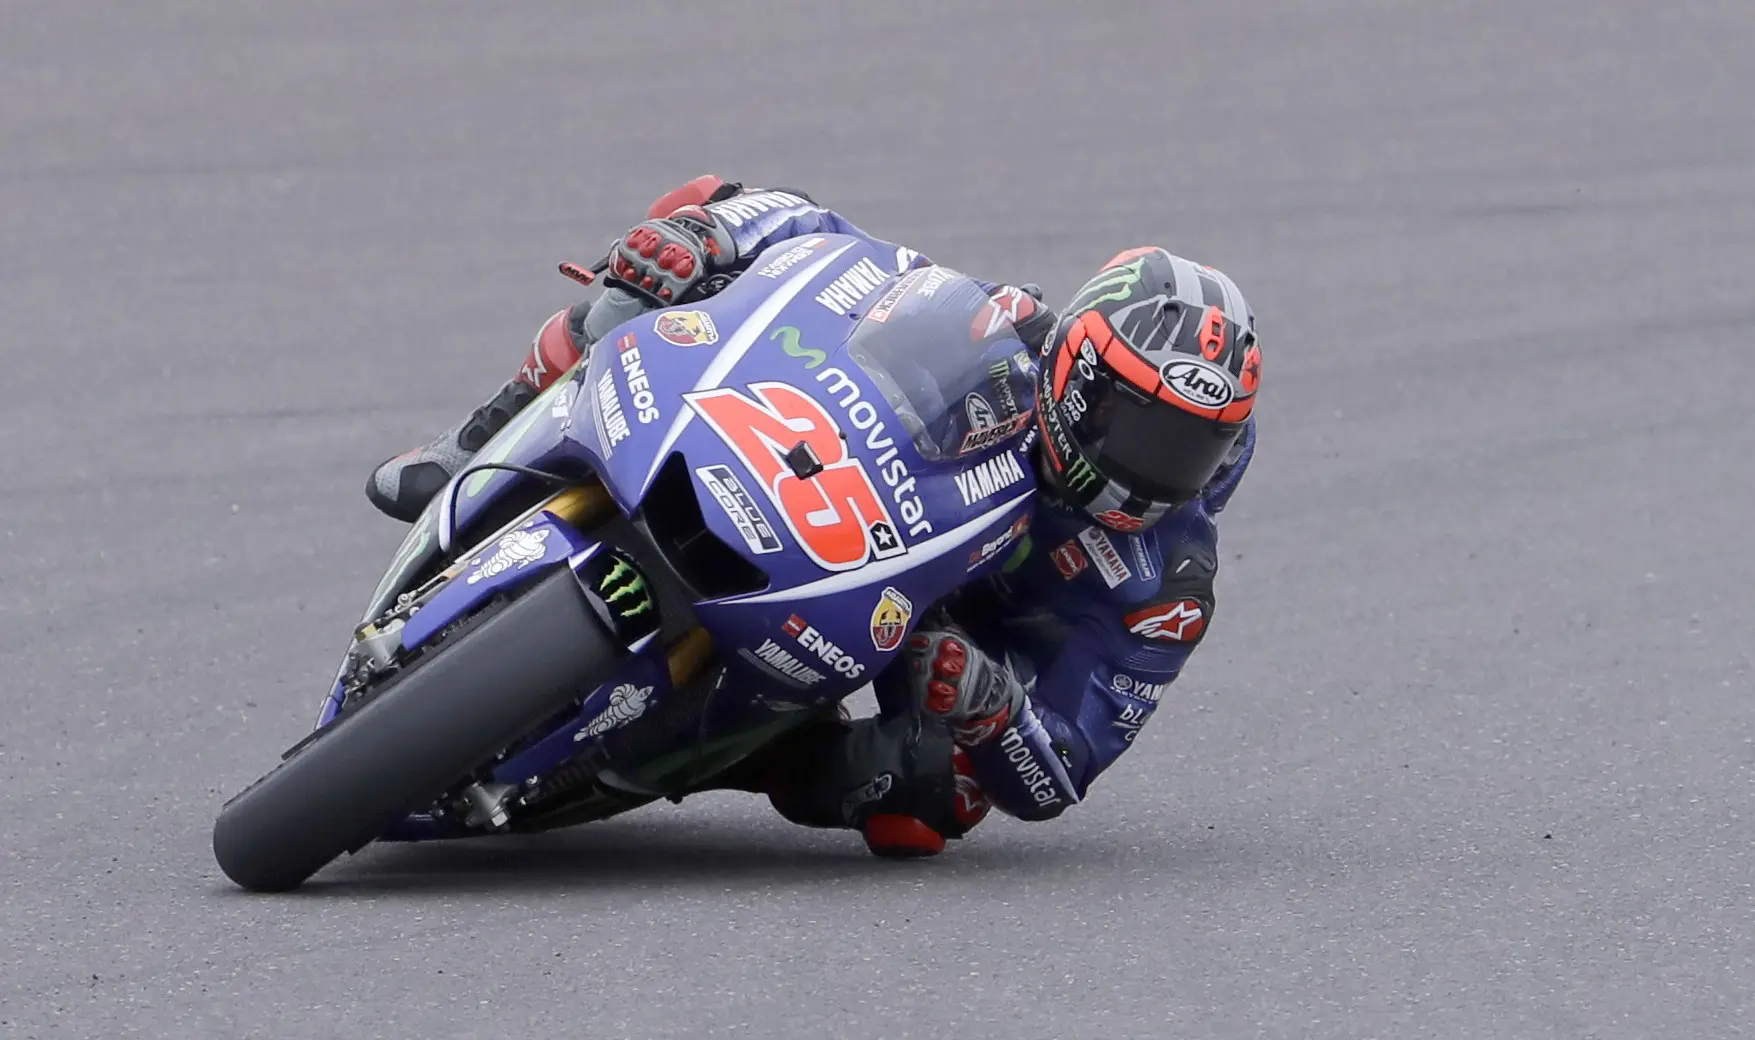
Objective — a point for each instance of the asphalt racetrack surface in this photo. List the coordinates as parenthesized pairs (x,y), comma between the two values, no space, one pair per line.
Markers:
(1468,752)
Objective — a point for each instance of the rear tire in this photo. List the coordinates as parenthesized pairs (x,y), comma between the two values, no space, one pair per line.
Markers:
(425,731)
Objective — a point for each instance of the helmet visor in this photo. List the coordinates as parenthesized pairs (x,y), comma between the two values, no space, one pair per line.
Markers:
(1158,452)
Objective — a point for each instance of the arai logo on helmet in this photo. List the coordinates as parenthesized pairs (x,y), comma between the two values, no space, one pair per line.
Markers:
(1198,382)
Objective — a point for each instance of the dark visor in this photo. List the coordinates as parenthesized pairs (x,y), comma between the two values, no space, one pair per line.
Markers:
(1157,451)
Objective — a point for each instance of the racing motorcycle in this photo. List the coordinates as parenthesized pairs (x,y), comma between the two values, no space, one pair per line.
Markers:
(724,520)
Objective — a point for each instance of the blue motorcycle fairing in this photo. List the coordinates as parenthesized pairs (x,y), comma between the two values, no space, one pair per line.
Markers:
(524,553)
(637,689)
(787,654)
(735,324)
(532,438)
(681,380)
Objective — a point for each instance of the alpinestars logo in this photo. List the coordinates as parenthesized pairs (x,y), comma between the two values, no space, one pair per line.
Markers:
(1180,622)
(1009,306)
(972,804)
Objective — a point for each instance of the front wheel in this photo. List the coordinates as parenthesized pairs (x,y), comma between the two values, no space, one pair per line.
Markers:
(425,731)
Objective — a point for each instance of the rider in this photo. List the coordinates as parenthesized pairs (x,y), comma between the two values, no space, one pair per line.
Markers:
(1025,687)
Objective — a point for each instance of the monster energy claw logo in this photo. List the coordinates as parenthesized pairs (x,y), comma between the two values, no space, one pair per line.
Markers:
(1117,283)
(1079,476)
(624,591)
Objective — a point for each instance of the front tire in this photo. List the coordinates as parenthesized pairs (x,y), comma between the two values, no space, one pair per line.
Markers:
(426,730)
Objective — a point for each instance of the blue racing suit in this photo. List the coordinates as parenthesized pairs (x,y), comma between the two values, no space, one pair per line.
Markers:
(1104,622)
(1098,623)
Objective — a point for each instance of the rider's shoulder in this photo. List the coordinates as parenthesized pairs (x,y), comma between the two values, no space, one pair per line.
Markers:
(1148,594)
(1186,546)
(1166,608)
(1178,555)
(1123,568)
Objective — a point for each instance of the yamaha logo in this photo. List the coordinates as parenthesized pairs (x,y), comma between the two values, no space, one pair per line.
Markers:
(1198,382)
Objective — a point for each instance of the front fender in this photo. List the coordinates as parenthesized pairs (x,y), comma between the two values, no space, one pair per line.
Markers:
(513,559)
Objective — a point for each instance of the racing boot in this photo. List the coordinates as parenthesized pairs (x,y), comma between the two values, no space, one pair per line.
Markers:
(915,824)
(900,782)
(402,486)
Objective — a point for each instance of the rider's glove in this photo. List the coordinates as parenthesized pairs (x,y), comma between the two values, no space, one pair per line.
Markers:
(955,681)
(666,259)
(1033,320)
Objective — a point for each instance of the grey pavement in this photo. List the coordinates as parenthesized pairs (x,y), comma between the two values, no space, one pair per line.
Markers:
(1469,752)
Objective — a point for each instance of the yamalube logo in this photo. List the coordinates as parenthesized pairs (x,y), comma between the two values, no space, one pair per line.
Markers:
(1198,382)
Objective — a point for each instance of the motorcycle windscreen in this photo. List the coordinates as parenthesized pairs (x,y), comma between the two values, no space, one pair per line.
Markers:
(949,362)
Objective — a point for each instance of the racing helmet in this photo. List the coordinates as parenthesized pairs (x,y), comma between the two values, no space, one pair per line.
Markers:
(1145,385)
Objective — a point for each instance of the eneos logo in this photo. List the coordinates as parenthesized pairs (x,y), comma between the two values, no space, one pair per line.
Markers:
(824,648)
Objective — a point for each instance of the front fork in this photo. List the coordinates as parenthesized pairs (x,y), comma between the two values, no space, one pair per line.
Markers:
(583,508)
(525,788)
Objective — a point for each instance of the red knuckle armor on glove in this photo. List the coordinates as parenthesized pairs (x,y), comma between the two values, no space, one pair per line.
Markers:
(957,682)
(666,258)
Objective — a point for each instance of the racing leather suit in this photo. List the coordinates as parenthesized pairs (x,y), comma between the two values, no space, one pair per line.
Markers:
(1099,622)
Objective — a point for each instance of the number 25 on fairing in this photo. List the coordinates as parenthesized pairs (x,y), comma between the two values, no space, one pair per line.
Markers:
(836,513)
